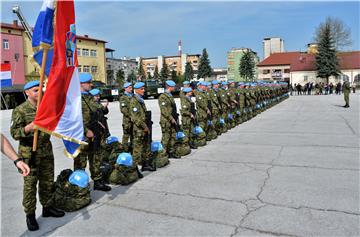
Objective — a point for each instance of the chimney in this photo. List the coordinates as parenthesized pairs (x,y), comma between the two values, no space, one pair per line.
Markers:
(86,36)
(179,48)
(15,23)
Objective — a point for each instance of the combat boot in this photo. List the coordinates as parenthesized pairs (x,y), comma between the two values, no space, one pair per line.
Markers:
(147,167)
(52,212)
(31,222)
(140,175)
(193,146)
(174,156)
(101,186)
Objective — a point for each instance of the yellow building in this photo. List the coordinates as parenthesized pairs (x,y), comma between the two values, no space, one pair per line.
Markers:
(91,57)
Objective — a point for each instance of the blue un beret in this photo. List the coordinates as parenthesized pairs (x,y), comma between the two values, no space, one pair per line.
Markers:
(215,82)
(31,84)
(127,84)
(170,83)
(187,89)
(139,85)
(85,77)
(224,83)
(94,92)
(186,82)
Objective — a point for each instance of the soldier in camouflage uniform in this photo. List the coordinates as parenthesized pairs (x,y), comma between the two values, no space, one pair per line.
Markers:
(232,102)
(211,133)
(346,91)
(141,140)
(41,162)
(187,118)
(127,124)
(202,105)
(216,106)
(224,105)
(169,120)
(186,84)
(241,92)
(92,135)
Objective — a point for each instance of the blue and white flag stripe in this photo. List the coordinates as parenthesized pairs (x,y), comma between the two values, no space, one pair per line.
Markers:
(44,30)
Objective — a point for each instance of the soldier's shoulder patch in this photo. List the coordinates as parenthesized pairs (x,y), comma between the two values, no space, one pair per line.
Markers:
(223,95)
(135,109)
(184,106)
(163,103)
(123,104)
(200,97)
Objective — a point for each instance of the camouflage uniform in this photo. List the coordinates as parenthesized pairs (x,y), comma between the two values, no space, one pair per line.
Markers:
(41,162)
(210,130)
(346,91)
(187,122)
(167,107)
(225,107)
(215,110)
(88,152)
(201,105)
(141,143)
(232,105)
(127,124)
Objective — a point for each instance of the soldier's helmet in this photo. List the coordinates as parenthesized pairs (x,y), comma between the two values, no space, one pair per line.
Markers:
(79,178)
(125,159)
(156,147)
(198,130)
(111,140)
(180,135)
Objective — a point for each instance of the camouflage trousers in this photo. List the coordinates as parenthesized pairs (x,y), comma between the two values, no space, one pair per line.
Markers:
(94,158)
(42,172)
(188,127)
(168,137)
(141,147)
(127,134)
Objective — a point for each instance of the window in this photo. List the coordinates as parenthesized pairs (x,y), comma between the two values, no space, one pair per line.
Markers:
(93,69)
(266,71)
(305,78)
(78,52)
(93,53)
(79,68)
(86,68)
(5,44)
(85,52)
(286,70)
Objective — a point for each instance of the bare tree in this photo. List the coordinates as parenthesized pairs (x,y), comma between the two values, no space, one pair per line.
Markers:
(340,33)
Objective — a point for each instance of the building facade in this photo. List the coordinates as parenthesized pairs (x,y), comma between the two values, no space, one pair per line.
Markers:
(300,67)
(219,74)
(233,61)
(272,45)
(91,54)
(113,65)
(12,51)
(174,63)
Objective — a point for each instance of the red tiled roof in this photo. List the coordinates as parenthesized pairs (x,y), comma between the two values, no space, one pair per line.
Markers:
(19,27)
(306,62)
(11,26)
(301,61)
(276,59)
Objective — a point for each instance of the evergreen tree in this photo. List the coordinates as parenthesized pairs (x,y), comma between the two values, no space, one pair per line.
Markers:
(141,72)
(131,77)
(149,76)
(247,66)
(180,79)
(110,76)
(156,73)
(173,75)
(326,61)
(189,72)
(120,78)
(164,73)
(204,66)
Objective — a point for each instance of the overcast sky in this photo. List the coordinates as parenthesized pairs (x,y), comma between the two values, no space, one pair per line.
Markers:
(154,28)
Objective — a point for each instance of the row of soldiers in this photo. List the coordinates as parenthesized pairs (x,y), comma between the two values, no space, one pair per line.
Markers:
(206,112)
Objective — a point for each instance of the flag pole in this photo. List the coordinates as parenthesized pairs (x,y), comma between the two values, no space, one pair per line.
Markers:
(45,48)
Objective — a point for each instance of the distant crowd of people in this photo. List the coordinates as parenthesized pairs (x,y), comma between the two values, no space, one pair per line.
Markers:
(321,88)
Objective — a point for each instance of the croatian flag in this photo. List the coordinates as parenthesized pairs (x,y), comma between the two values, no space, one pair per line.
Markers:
(5,75)
(60,111)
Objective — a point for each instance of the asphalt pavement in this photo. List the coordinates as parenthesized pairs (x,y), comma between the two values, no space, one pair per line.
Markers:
(293,170)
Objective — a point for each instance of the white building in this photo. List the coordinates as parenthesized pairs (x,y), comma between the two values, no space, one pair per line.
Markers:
(272,45)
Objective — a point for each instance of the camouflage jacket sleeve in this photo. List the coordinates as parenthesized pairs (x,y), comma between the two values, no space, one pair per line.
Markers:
(86,112)
(214,100)
(137,113)
(18,124)
(165,105)
(124,105)
(201,101)
(224,98)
